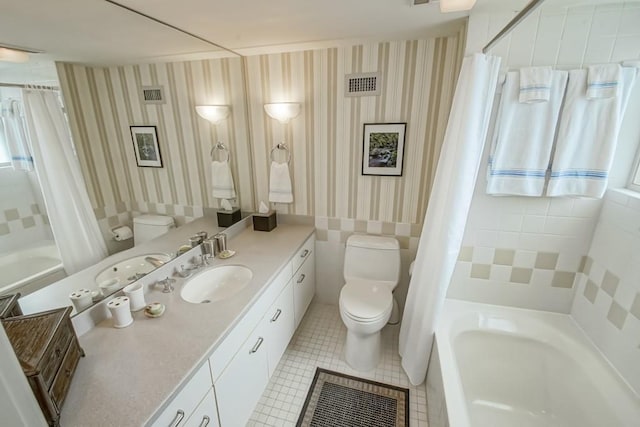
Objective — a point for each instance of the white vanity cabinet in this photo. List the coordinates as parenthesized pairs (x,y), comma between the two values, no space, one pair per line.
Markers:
(279,324)
(206,414)
(304,278)
(197,391)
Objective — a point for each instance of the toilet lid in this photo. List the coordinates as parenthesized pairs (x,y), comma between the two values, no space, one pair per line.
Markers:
(366,301)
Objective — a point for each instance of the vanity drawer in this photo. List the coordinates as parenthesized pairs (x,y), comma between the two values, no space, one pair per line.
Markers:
(62,380)
(55,352)
(303,253)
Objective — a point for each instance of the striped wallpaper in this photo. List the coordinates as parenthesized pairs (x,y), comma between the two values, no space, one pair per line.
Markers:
(103,102)
(418,80)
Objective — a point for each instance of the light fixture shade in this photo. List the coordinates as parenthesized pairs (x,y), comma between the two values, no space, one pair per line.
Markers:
(12,55)
(282,111)
(214,113)
(456,5)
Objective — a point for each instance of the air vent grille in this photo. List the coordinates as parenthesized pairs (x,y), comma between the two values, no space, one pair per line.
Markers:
(152,95)
(362,84)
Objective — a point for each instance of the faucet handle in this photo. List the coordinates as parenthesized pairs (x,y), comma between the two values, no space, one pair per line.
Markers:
(167,283)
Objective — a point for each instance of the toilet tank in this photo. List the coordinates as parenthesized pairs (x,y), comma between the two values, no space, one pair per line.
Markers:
(147,227)
(372,257)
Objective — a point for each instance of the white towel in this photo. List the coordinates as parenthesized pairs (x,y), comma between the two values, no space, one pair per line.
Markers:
(522,139)
(603,81)
(15,134)
(587,138)
(535,84)
(280,190)
(222,180)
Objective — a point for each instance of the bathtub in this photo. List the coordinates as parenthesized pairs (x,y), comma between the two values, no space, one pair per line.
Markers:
(29,269)
(505,367)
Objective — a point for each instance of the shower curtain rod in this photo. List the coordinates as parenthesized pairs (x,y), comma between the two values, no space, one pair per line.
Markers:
(530,7)
(29,86)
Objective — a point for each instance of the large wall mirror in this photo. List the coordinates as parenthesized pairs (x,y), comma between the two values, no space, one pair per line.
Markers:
(102,103)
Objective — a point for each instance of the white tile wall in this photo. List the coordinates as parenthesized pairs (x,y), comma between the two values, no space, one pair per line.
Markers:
(564,38)
(616,249)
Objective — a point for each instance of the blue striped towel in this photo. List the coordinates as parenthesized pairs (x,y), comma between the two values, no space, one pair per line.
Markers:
(535,84)
(603,81)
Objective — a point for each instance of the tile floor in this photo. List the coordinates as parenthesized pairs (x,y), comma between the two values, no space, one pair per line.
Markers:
(319,342)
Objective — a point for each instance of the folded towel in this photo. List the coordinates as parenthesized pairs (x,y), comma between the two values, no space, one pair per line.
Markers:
(587,138)
(523,138)
(222,181)
(15,134)
(280,190)
(603,81)
(535,84)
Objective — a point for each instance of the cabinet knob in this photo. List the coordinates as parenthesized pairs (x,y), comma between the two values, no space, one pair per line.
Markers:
(304,253)
(177,419)
(301,279)
(205,421)
(257,345)
(275,316)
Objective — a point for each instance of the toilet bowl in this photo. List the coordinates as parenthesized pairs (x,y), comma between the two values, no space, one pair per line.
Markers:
(371,272)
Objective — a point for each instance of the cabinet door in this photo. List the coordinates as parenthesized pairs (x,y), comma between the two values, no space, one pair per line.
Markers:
(304,286)
(280,325)
(242,382)
(179,409)
(206,414)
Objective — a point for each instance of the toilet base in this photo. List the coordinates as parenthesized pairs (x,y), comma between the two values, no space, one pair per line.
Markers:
(362,352)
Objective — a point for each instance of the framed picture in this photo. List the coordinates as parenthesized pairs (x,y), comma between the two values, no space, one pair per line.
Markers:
(146,147)
(383,149)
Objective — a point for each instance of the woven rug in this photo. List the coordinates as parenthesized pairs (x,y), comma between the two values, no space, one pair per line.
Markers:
(338,400)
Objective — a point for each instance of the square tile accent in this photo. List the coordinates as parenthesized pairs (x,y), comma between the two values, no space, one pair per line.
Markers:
(617,315)
(404,241)
(466,254)
(504,256)
(583,262)
(11,214)
(28,222)
(610,283)
(334,223)
(188,210)
(35,209)
(360,226)
(4,229)
(546,260)
(563,279)
(635,307)
(480,271)
(319,342)
(388,228)
(521,275)
(416,229)
(100,213)
(590,291)
(587,265)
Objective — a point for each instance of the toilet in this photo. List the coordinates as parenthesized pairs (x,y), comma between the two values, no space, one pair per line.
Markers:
(147,227)
(371,273)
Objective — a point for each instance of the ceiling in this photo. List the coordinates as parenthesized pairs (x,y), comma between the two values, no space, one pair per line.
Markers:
(98,32)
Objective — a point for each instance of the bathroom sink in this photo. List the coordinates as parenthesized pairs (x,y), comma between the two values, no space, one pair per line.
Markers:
(129,270)
(216,284)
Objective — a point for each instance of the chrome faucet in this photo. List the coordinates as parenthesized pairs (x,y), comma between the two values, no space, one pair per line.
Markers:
(167,283)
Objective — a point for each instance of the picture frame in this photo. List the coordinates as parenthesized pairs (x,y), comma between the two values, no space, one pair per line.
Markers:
(146,147)
(383,148)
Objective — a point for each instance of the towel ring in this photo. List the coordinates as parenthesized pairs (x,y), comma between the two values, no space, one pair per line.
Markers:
(281,146)
(221,147)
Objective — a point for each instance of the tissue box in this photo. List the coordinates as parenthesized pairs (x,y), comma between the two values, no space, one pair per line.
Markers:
(228,218)
(264,221)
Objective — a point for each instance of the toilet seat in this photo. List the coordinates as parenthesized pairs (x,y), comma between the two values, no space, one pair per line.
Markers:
(366,301)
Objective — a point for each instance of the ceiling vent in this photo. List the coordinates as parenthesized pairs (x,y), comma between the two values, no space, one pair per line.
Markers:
(152,95)
(362,84)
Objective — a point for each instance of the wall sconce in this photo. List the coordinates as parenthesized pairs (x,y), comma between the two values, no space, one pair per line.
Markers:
(456,5)
(13,55)
(282,111)
(214,113)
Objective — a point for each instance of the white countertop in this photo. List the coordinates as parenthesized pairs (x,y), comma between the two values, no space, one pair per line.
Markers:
(128,374)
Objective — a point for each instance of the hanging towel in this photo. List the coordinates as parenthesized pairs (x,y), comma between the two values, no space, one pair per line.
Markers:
(15,134)
(280,190)
(523,138)
(535,84)
(603,81)
(222,181)
(587,138)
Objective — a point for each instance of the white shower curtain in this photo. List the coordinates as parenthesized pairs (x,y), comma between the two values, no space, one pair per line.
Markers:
(447,211)
(74,225)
